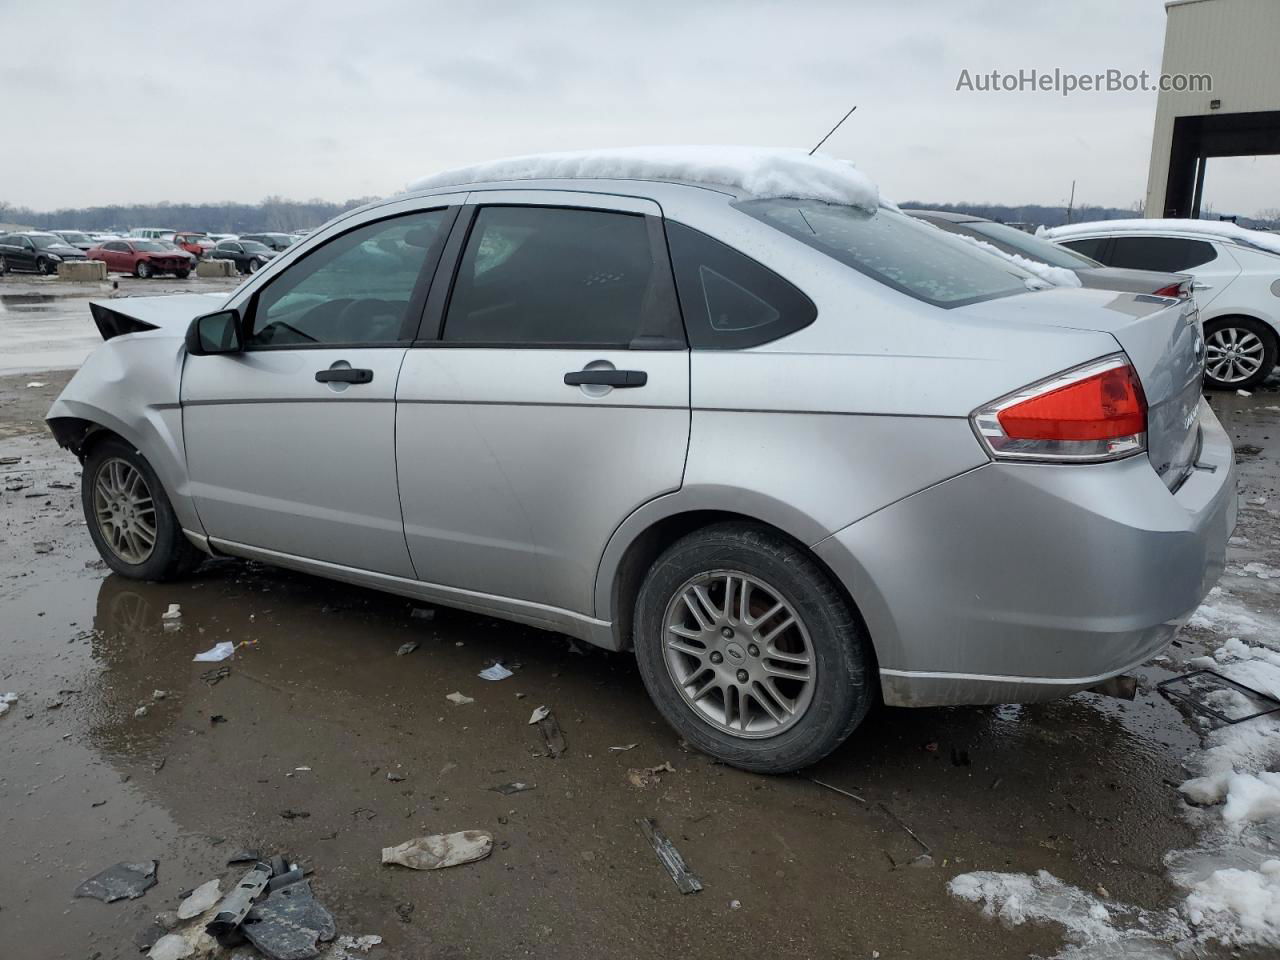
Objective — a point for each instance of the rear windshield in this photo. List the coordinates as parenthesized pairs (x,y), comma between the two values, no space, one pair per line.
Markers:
(912,257)
(1029,246)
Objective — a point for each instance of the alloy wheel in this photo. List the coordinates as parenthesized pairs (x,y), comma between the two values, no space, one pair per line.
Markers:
(739,653)
(1233,354)
(125,511)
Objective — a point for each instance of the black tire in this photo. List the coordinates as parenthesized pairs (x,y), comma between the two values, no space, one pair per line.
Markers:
(4,267)
(45,267)
(142,270)
(172,554)
(254,266)
(183,274)
(843,687)
(1243,326)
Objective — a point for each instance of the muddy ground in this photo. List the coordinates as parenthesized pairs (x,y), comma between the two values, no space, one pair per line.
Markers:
(1083,787)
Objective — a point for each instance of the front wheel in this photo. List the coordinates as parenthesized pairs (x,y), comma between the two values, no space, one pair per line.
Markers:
(183,274)
(254,266)
(129,516)
(45,267)
(750,651)
(1240,352)
(143,270)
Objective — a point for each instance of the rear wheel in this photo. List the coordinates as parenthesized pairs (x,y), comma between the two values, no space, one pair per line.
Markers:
(183,274)
(750,651)
(129,516)
(143,269)
(1240,352)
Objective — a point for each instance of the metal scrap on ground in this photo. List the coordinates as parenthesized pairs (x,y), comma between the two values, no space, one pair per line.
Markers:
(685,879)
(552,734)
(440,850)
(119,882)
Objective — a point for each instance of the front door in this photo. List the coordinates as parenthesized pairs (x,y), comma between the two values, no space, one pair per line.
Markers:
(554,403)
(291,444)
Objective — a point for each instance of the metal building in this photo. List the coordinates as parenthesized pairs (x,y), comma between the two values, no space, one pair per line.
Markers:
(1237,44)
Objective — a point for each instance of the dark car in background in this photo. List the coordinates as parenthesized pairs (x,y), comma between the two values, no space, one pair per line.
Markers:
(77,238)
(35,252)
(1017,243)
(144,258)
(248,255)
(276,241)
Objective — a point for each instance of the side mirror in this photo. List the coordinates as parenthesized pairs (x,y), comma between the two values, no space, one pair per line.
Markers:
(215,333)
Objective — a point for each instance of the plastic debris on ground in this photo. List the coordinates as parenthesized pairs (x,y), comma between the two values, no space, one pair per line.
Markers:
(552,735)
(495,672)
(36,383)
(539,714)
(120,882)
(440,850)
(648,776)
(202,898)
(215,653)
(173,613)
(407,648)
(6,701)
(624,747)
(685,879)
(459,698)
(515,786)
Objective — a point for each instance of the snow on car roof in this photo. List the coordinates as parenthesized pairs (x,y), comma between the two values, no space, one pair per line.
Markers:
(1269,242)
(759,172)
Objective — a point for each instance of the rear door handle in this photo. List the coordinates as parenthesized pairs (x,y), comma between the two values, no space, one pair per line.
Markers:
(344,375)
(607,378)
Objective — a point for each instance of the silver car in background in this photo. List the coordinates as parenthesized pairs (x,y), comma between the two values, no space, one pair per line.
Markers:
(797,455)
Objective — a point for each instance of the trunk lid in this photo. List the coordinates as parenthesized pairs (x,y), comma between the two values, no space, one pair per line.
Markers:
(1126,280)
(1162,338)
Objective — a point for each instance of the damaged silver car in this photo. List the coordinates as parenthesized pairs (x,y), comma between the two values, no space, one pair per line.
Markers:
(797,454)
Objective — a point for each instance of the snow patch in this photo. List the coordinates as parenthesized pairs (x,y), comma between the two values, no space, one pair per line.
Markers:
(7,700)
(1270,242)
(759,172)
(1241,906)
(1058,276)
(1222,613)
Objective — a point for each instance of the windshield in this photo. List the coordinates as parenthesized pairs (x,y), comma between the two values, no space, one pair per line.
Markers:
(1028,245)
(47,240)
(151,246)
(911,257)
(253,246)
(75,237)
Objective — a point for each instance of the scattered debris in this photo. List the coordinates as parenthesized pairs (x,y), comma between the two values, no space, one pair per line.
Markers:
(1243,393)
(843,793)
(423,613)
(40,546)
(173,613)
(1212,694)
(215,653)
(1123,687)
(363,944)
(36,384)
(9,461)
(124,880)
(539,714)
(244,856)
(552,734)
(515,786)
(235,905)
(459,699)
(648,776)
(158,764)
(215,676)
(405,912)
(685,879)
(6,701)
(172,946)
(407,648)
(625,747)
(202,898)
(396,777)
(735,904)
(912,834)
(288,923)
(495,672)
(440,850)
(59,485)
(140,712)
(216,719)
(159,694)
(294,814)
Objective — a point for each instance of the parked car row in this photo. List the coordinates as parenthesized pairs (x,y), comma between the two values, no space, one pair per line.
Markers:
(36,252)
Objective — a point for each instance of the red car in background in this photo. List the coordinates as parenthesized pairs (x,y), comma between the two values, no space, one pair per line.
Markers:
(143,258)
(196,244)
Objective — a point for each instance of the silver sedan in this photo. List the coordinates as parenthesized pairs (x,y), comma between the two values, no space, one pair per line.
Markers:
(796,455)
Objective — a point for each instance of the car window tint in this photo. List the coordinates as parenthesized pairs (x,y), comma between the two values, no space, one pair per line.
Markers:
(730,301)
(354,289)
(552,275)
(1091,247)
(1167,254)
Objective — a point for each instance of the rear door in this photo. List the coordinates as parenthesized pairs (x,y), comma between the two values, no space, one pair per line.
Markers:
(548,399)
(291,444)
(1211,266)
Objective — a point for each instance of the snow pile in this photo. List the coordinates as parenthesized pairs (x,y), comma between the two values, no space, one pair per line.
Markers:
(1091,926)
(1222,613)
(759,172)
(1218,228)
(1058,276)
(1243,905)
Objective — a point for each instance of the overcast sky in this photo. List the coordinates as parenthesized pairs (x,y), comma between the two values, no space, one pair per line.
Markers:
(222,100)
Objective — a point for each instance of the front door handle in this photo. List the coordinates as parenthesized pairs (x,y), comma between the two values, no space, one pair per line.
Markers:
(607,378)
(344,375)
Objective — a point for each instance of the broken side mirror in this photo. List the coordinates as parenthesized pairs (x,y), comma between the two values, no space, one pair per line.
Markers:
(215,333)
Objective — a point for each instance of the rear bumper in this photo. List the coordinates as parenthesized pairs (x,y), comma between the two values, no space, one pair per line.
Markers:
(1024,582)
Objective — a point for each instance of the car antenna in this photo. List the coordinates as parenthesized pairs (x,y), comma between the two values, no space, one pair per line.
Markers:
(833,130)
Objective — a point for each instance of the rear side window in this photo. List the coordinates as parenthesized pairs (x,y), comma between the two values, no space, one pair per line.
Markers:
(902,253)
(729,301)
(547,276)
(1166,254)
(1091,247)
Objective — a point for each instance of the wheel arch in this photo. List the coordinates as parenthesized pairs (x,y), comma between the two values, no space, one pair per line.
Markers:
(649,531)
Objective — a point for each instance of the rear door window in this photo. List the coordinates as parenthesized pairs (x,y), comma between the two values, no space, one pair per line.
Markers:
(1165,254)
(1095,248)
(558,276)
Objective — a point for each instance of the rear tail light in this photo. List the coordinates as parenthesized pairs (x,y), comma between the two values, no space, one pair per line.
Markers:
(1177,290)
(1090,413)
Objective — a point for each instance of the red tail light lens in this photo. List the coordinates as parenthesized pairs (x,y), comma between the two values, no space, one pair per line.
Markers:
(1090,413)
(1177,290)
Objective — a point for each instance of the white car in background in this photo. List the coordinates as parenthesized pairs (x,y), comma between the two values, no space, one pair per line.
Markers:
(1237,274)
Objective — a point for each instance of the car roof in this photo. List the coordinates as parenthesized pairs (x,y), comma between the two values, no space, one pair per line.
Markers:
(947,215)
